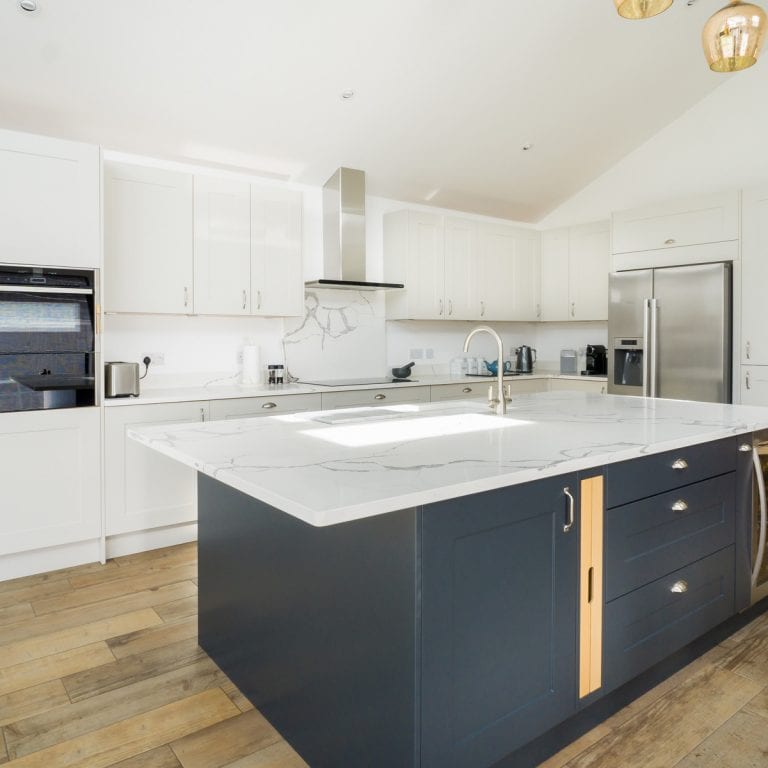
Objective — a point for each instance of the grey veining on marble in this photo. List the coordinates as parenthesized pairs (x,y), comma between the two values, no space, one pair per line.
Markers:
(336,466)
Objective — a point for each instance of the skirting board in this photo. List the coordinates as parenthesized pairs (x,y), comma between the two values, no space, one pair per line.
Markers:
(143,541)
(35,561)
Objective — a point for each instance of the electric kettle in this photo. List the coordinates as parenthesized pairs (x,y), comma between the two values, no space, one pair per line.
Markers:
(525,358)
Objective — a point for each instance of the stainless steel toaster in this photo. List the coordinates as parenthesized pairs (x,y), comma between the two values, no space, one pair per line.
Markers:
(121,379)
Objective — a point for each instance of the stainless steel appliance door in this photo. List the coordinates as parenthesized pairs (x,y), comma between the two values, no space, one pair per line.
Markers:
(759,521)
(692,330)
(628,294)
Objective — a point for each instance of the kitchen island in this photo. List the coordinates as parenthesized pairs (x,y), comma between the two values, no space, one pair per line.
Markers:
(434,585)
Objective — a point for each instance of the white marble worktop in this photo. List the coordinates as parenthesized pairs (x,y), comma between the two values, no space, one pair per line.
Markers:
(230,391)
(332,467)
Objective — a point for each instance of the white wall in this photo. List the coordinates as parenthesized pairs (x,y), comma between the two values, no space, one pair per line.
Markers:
(718,144)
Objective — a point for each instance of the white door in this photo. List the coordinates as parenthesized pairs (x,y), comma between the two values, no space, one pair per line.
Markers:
(754,385)
(222,246)
(277,277)
(49,201)
(51,473)
(754,277)
(143,488)
(590,254)
(425,276)
(148,250)
(498,247)
(461,269)
(525,288)
(554,275)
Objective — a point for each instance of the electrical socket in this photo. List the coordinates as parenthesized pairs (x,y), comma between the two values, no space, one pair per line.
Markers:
(158,358)
(416,354)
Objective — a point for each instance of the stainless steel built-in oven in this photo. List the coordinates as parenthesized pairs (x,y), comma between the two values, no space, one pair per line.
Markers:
(759,517)
(48,340)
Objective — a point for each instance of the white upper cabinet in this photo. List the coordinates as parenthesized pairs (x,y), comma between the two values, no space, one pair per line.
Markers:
(575,264)
(461,274)
(277,285)
(414,253)
(689,231)
(148,247)
(222,246)
(589,264)
(525,290)
(498,246)
(49,201)
(754,277)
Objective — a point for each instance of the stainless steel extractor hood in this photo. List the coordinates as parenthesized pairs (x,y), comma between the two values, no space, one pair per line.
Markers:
(344,234)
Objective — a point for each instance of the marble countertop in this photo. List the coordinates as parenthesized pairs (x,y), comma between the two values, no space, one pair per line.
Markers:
(332,467)
(229,391)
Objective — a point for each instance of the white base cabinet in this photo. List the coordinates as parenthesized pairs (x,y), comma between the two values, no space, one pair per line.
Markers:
(144,489)
(51,489)
(50,212)
(754,385)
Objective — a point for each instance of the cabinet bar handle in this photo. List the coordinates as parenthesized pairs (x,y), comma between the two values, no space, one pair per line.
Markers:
(482,309)
(573,309)
(202,414)
(469,389)
(680,464)
(258,299)
(450,306)
(440,312)
(747,381)
(679,587)
(679,506)
(538,311)
(269,405)
(670,241)
(379,397)
(571,510)
(186,296)
(749,351)
(590,584)
(245,299)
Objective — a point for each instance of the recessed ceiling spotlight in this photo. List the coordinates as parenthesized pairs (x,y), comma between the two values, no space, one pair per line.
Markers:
(527,146)
(28,5)
(348,94)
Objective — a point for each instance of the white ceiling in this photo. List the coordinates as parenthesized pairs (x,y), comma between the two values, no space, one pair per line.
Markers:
(446,91)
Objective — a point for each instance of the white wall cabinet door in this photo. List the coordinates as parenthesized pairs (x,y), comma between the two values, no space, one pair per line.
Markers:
(754,277)
(277,285)
(498,246)
(554,275)
(222,228)
(461,274)
(590,255)
(148,249)
(143,488)
(754,385)
(50,211)
(526,278)
(414,254)
(51,464)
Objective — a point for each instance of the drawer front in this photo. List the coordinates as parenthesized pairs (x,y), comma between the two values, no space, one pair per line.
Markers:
(650,538)
(468,391)
(649,624)
(248,407)
(375,397)
(640,478)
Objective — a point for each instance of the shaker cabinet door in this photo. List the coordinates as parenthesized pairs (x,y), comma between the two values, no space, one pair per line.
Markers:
(754,277)
(461,269)
(554,275)
(590,255)
(499,623)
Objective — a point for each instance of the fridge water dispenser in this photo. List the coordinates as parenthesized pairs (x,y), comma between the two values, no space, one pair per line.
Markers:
(628,362)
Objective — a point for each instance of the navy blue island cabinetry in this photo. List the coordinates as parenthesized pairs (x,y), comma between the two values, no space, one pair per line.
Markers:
(452,635)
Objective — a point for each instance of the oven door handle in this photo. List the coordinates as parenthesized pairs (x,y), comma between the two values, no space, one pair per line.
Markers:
(763,515)
(44,289)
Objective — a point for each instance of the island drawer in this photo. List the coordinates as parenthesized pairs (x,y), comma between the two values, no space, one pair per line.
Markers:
(375,397)
(647,539)
(247,407)
(639,478)
(647,625)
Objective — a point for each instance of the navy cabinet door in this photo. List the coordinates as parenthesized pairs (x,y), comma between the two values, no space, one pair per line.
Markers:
(499,621)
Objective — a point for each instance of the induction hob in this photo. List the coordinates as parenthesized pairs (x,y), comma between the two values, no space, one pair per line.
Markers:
(358,382)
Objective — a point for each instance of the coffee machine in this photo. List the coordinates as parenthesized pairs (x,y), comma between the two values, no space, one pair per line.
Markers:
(596,361)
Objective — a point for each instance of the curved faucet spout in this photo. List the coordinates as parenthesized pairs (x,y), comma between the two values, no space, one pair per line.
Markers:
(501,404)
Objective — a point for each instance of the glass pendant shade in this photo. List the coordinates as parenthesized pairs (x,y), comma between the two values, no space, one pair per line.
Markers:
(641,9)
(734,36)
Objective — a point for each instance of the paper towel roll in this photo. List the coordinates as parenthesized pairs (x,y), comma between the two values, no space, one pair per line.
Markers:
(251,365)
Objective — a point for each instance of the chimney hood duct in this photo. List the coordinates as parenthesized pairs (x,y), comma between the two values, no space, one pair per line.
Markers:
(344,234)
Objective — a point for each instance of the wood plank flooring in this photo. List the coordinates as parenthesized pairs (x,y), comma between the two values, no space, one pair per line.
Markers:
(99,667)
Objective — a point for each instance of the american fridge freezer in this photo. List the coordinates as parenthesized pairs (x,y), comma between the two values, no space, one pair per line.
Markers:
(669,333)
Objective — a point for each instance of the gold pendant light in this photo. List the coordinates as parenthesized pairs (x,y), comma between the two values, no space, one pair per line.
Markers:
(733,37)
(641,9)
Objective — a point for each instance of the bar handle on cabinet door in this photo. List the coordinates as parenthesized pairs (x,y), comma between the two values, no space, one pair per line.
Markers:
(749,351)
(747,382)
(763,515)
(571,510)
(646,348)
(440,312)
(654,361)
(258,299)
(202,414)
(482,309)
(186,296)
(538,311)
(245,298)
(450,306)
(573,309)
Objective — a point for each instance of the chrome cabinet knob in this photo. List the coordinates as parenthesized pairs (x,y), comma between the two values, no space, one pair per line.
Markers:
(679,506)
(680,464)
(679,587)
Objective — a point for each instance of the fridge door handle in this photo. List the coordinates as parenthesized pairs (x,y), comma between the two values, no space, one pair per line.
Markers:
(763,516)
(646,345)
(654,361)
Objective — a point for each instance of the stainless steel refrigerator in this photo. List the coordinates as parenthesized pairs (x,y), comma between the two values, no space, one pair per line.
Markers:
(669,333)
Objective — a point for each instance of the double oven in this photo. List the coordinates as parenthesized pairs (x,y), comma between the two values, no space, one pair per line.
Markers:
(48,338)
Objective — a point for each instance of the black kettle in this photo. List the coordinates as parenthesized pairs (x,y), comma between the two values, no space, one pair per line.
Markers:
(525,358)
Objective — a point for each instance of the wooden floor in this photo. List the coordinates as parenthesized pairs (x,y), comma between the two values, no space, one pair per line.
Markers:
(99,666)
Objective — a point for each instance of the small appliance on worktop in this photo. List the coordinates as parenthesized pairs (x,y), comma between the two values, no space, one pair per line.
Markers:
(358,382)
(121,379)
(596,361)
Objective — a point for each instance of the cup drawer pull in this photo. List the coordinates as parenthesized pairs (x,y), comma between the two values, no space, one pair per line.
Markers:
(269,405)
(467,389)
(679,587)
(679,464)
(379,397)
(679,506)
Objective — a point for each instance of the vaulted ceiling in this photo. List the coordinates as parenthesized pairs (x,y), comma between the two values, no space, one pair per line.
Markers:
(446,92)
